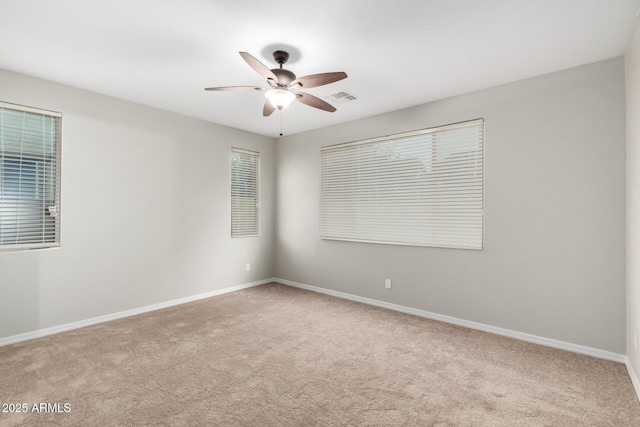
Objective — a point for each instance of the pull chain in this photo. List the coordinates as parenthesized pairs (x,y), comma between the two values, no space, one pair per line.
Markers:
(280,122)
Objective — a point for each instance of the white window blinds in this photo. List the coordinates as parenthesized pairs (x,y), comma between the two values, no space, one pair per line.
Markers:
(245,203)
(30,146)
(421,188)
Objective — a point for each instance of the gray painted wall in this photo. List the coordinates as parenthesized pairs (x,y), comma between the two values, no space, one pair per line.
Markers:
(632,63)
(553,264)
(145,212)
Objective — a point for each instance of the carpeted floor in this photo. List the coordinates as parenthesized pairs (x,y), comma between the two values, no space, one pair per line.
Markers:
(280,356)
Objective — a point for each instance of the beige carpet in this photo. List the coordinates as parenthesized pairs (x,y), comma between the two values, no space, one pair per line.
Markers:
(279,356)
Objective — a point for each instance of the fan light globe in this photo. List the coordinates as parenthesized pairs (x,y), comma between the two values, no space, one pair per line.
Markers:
(280,98)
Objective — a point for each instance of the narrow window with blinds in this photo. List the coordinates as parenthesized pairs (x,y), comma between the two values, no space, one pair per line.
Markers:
(421,188)
(245,200)
(30,152)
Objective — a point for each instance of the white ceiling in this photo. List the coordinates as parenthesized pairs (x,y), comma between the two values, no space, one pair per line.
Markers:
(162,53)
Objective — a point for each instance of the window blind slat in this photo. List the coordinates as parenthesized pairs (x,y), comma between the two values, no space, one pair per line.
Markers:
(421,188)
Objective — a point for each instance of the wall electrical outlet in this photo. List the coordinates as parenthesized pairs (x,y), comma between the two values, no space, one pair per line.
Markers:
(387,283)
(247,267)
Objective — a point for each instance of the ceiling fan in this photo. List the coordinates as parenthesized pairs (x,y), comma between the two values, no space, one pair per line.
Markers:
(284,85)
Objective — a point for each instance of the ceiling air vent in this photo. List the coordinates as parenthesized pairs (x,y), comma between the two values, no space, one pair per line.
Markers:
(341,97)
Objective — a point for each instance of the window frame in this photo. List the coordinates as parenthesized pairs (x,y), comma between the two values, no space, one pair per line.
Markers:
(46,181)
(246,222)
(384,190)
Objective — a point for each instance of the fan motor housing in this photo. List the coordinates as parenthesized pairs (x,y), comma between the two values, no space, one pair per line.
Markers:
(285,77)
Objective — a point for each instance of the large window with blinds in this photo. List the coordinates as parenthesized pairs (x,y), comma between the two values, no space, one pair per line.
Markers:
(245,194)
(421,188)
(30,152)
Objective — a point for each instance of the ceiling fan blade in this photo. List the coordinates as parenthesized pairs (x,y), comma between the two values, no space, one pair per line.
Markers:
(259,67)
(235,88)
(315,80)
(315,102)
(268,108)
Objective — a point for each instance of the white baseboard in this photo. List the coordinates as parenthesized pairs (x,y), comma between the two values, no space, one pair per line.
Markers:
(634,378)
(589,351)
(88,322)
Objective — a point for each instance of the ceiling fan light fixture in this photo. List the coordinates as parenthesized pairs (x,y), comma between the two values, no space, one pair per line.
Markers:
(281,83)
(280,98)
